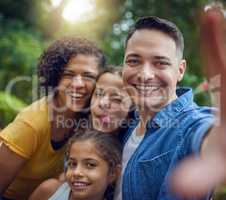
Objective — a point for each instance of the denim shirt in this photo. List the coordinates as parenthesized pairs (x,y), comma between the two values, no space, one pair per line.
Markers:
(175,132)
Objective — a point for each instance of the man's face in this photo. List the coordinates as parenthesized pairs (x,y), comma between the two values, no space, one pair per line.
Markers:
(152,68)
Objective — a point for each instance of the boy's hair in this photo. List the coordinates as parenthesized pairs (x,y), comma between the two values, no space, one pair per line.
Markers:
(163,25)
(54,59)
(107,146)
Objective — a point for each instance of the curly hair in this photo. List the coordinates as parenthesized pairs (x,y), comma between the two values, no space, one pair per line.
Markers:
(54,59)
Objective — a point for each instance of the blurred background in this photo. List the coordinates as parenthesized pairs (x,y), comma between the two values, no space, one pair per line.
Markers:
(28,26)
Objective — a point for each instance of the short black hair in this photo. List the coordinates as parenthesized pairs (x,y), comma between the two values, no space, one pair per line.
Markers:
(163,25)
(54,59)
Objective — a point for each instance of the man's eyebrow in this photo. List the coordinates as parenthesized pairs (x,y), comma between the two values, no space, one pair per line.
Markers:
(133,55)
(162,58)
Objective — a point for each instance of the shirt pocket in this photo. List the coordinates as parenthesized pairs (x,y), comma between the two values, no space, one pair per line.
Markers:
(152,174)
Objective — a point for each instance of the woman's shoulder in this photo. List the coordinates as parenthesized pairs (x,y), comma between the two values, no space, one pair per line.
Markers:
(35,115)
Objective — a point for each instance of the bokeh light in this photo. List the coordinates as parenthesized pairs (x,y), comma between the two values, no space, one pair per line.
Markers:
(78,10)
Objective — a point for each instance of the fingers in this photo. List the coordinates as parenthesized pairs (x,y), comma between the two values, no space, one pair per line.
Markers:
(213,41)
(213,46)
(196,177)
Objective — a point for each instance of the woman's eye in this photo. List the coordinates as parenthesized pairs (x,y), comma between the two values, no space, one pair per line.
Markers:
(89,76)
(68,75)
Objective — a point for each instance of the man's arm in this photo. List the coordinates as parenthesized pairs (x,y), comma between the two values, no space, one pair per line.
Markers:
(196,177)
(10,165)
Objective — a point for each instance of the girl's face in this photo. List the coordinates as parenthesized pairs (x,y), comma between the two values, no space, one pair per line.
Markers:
(77,82)
(87,173)
(110,103)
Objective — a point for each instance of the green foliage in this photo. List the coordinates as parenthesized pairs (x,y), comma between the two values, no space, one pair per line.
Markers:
(26,26)
(19,52)
(9,107)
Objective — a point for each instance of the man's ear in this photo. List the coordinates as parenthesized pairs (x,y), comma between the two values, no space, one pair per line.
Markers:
(114,174)
(182,69)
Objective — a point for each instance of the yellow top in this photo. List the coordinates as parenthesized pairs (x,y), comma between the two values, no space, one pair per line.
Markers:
(29,136)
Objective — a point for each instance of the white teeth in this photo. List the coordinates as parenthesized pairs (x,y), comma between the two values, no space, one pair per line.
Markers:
(79,184)
(76,95)
(147,87)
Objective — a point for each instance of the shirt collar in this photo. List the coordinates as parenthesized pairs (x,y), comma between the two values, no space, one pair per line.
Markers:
(166,116)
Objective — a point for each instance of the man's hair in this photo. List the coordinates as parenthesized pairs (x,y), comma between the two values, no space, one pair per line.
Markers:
(163,25)
(54,59)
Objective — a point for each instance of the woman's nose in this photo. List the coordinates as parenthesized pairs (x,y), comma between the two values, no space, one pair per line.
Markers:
(78,81)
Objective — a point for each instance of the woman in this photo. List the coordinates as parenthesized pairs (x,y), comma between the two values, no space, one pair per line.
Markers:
(34,142)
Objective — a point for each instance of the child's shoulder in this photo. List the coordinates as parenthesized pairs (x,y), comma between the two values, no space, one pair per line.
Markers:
(46,189)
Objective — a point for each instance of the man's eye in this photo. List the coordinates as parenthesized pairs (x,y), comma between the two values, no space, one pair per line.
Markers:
(132,62)
(162,64)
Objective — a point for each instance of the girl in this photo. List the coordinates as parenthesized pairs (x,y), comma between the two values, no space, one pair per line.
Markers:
(93,163)
(111,105)
(34,143)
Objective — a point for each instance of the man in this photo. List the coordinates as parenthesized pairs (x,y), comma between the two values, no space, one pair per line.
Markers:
(170,126)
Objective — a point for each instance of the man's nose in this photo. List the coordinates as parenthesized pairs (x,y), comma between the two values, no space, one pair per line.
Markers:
(147,72)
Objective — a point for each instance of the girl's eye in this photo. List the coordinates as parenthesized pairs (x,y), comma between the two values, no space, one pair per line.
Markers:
(91,165)
(116,100)
(72,164)
(98,93)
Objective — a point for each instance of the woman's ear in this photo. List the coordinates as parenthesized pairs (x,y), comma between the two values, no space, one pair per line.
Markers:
(114,174)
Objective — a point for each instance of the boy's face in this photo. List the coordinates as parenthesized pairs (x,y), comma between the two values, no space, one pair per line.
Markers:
(152,69)
(77,82)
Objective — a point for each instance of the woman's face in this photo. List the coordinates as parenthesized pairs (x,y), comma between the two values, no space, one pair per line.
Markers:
(87,173)
(110,103)
(77,82)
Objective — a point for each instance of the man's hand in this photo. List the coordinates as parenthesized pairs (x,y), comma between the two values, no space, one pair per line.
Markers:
(196,177)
